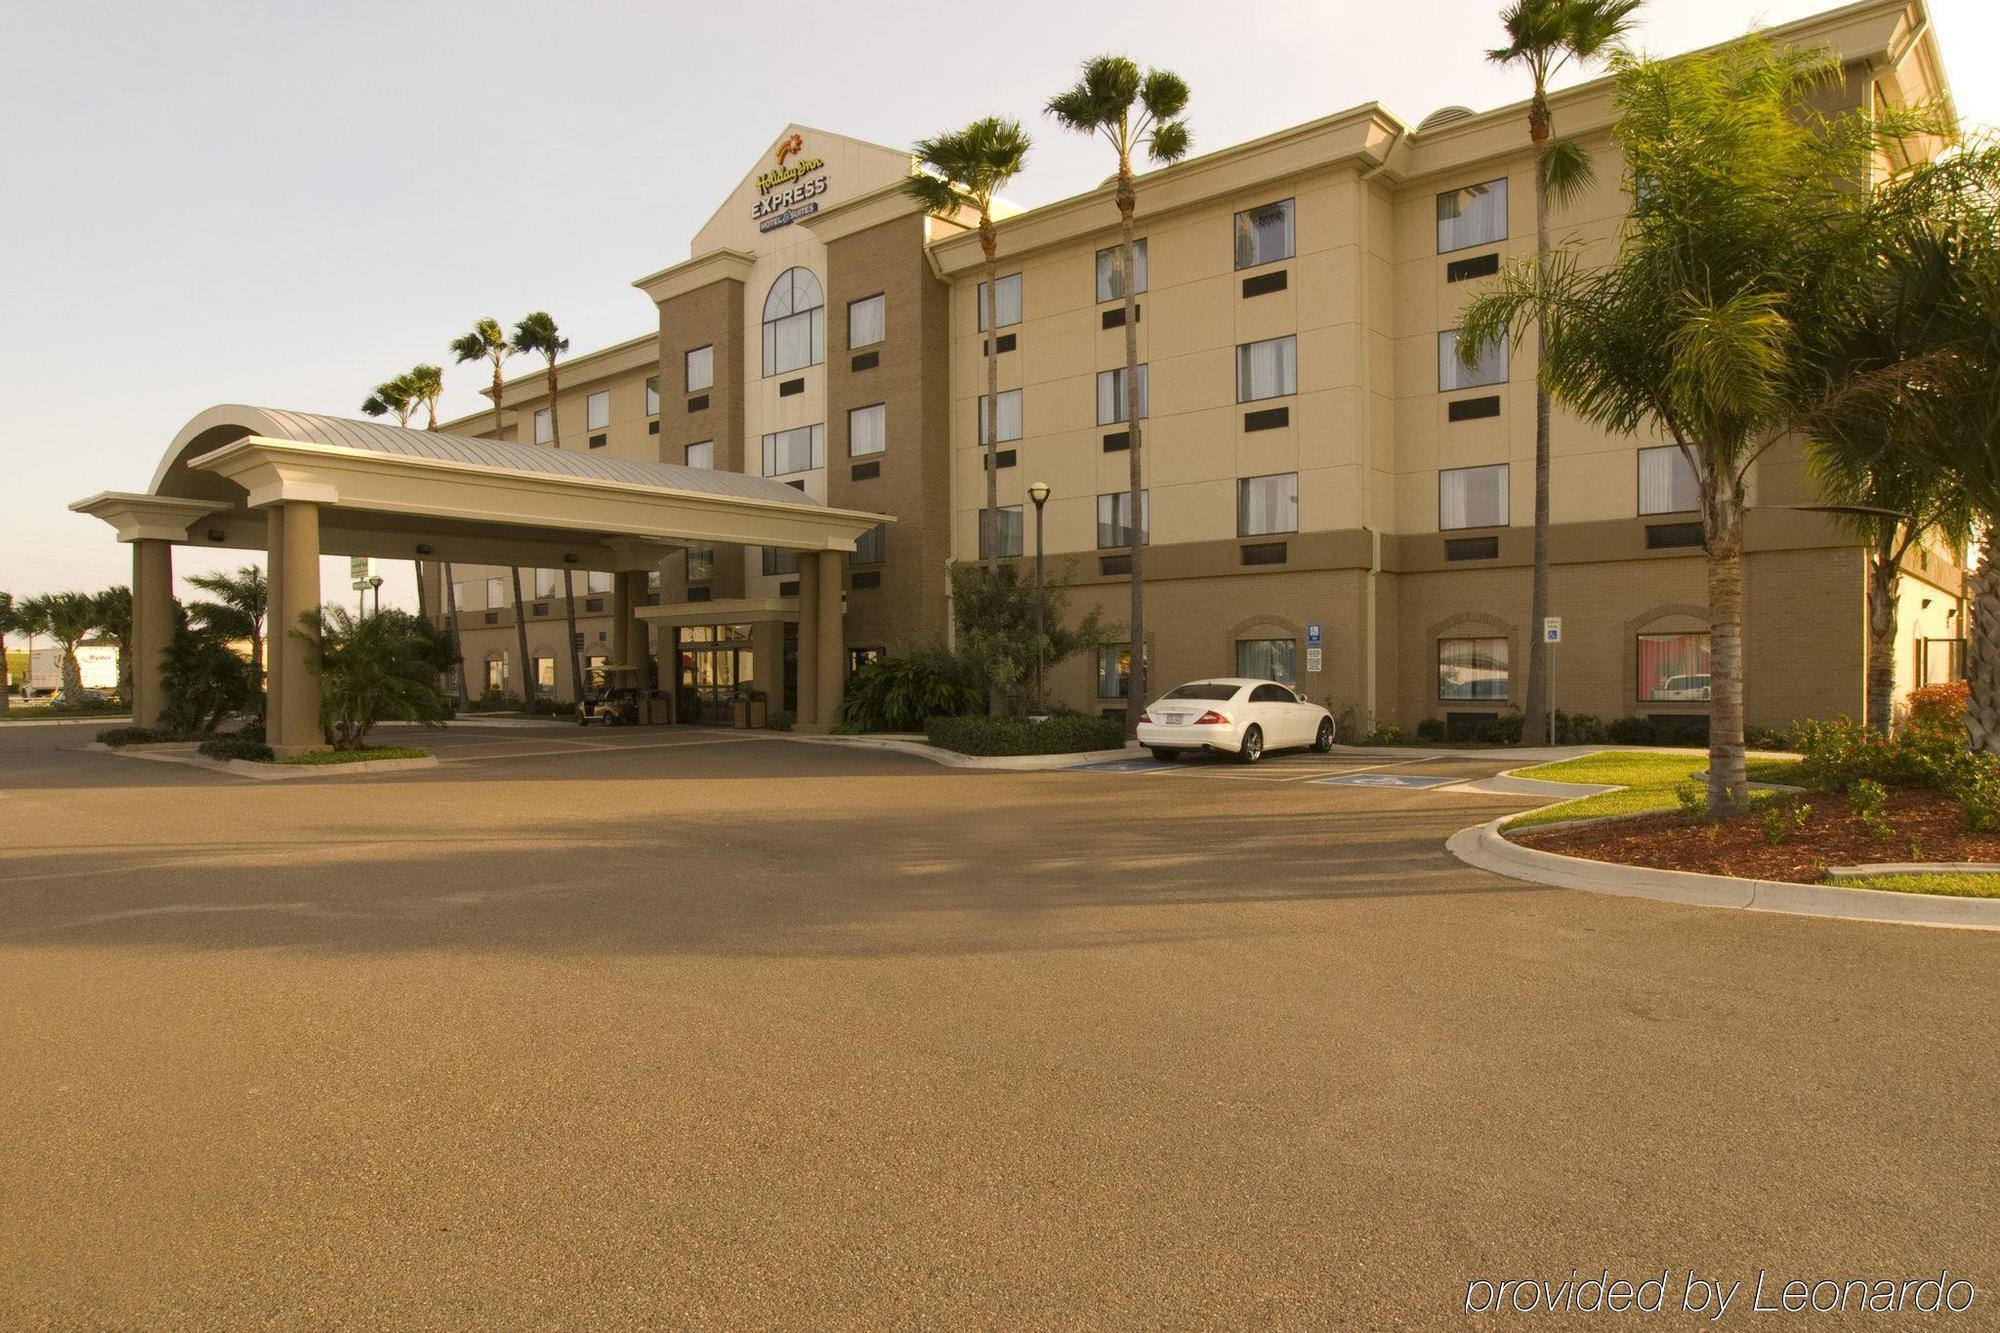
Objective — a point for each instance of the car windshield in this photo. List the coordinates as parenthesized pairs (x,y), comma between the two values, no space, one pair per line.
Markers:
(1204,689)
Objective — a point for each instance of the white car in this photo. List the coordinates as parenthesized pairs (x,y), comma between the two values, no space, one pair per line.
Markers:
(1235,715)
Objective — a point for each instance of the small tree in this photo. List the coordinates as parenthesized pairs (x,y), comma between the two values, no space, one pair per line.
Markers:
(203,683)
(995,615)
(398,395)
(378,668)
(242,600)
(114,617)
(68,618)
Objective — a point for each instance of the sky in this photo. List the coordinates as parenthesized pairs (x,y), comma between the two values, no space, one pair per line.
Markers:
(284,204)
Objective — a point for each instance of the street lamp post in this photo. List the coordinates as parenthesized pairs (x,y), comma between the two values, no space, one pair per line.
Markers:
(375,584)
(1039,493)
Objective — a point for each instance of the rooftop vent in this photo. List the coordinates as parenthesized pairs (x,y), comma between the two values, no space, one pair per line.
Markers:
(1444,115)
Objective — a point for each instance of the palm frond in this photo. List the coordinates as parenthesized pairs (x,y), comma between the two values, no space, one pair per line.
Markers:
(1565,172)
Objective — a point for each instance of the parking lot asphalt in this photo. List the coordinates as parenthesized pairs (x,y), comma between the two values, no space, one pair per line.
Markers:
(703,1029)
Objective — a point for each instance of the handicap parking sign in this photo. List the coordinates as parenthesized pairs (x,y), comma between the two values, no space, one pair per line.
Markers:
(1312,635)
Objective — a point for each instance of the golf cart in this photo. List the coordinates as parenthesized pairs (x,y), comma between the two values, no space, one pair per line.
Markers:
(615,699)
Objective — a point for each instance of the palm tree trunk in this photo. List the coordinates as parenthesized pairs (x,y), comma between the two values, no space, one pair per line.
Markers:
(423,595)
(989,518)
(1135,694)
(451,627)
(496,410)
(1728,783)
(1534,725)
(1884,594)
(521,637)
(6,678)
(72,673)
(569,617)
(1982,648)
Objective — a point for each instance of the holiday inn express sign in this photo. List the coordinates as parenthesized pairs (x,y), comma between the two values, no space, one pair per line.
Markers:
(790,190)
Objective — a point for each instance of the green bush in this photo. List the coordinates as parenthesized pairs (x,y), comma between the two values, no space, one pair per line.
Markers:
(379,668)
(1839,756)
(1387,733)
(903,692)
(1689,730)
(235,745)
(1502,730)
(1784,818)
(366,754)
(119,737)
(1431,730)
(782,720)
(1074,734)
(1578,729)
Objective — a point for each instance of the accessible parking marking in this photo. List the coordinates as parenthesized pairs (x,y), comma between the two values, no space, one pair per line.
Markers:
(1396,781)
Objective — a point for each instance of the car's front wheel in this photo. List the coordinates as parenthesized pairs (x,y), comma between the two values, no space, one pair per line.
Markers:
(1323,740)
(1252,748)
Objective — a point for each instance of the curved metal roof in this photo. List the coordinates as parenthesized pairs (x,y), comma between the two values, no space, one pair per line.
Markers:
(224,424)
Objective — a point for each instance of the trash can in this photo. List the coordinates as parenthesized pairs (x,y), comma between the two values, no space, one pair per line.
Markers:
(739,713)
(760,710)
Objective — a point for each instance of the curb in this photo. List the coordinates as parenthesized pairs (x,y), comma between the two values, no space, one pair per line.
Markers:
(1483,847)
(186,754)
(1916,868)
(1006,763)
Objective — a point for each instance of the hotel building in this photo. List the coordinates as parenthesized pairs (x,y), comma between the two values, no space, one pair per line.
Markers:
(1332,498)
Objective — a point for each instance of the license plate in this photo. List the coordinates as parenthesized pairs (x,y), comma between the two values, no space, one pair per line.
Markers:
(1173,719)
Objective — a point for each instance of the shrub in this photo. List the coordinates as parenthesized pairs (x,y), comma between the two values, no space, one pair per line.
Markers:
(782,720)
(1017,735)
(1431,730)
(118,737)
(1692,798)
(235,745)
(1839,755)
(1784,818)
(1767,738)
(1689,730)
(379,667)
(997,645)
(1388,733)
(1939,704)
(1869,800)
(203,682)
(903,692)
(1578,729)
(1502,730)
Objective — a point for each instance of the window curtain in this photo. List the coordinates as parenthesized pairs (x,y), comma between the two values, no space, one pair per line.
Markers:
(1473,497)
(1111,395)
(1267,369)
(1472,668)
(1007,414)
(1472,216)
(867,430)
(1666,482)
(1267,504)
(1267,659)
(1668,657)
(1006,301)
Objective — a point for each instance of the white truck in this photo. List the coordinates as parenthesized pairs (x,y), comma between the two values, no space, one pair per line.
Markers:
(97,663)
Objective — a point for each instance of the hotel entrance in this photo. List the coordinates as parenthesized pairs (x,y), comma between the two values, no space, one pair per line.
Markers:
(717,667)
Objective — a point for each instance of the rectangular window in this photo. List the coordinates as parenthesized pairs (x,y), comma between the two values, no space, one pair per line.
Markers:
(779,561)
(1114,671)
(1267,504)
(463,593)
(1666,482)
(545,583)
(652,395)
(1473,497)
(545,676)
(1111,395)
(1114,518)
(701,369)
(701,563)
(652,581)
(1267,659)
(795,341)
(1673,668)
(1472,668)
(701,455)
(545,426)
(597,581)
(496,593)
(1006,301)
(1008,411)
(496,673)
(597,410)
(1268,369)
(800,449)
(1008,521)
(1264,234)
(1475,215)
(872,547)
(1111,271)
(866,321)
(1491,368)
(867,430)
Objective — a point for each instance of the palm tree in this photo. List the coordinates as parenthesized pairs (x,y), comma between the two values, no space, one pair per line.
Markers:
(485,342)
(965,171)
(10,620)
(537,335)
(451,627)
(426,387)
(31,617)
(398,395)
(1132,111)
(70,617)
(114,617)
(379,667)
(242,599)
(1742,254)
(1543,36)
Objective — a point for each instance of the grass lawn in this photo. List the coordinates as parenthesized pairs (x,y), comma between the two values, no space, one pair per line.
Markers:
(1946,883)
(362,756)
(1648,777)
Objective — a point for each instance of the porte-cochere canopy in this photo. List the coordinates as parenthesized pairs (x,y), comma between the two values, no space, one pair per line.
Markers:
(297,486)
(388,491)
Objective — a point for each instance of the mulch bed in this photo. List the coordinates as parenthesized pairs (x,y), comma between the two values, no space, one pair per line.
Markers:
(1931,820)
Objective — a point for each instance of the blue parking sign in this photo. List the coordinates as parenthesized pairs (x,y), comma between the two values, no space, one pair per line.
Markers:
(1312,635)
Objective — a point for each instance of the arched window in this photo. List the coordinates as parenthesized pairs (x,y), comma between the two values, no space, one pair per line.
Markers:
(794,322)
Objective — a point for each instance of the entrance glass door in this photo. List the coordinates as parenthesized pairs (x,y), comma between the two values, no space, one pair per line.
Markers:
(716,668)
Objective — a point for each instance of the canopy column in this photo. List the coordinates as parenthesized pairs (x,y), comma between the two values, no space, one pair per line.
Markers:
(276,621)
(628,595)
(808,683)
(831,639)
(152,626)
(295,726)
